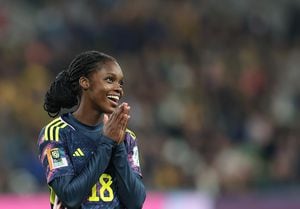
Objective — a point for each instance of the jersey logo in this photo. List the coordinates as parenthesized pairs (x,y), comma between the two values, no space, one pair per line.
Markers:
(78,153)
(56,158)
(52,129)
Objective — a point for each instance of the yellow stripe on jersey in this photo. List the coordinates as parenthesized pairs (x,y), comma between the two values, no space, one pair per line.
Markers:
(57,130)
(52,129)
(131,133)
(52,195)
(49,125)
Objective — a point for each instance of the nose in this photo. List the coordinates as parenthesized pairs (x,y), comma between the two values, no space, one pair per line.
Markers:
(119,89)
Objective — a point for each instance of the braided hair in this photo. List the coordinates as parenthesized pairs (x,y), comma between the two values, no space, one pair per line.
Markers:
(65,91)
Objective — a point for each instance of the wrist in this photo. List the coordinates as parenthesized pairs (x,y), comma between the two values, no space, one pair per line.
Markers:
(107,140)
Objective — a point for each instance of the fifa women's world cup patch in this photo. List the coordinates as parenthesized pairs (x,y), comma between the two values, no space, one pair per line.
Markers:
(56,158)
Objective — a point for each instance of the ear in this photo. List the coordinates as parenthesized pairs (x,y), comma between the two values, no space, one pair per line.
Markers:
(84,82)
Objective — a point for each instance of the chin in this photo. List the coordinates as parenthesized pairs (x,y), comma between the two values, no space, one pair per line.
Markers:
(107,108)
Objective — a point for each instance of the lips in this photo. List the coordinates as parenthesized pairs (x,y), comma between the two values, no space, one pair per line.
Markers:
(114,98)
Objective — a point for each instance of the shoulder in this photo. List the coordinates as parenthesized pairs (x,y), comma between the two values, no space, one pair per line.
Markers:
(130,133)
(130,139)
(53,130)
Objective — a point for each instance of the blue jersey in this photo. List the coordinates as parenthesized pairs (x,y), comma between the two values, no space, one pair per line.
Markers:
(65,147)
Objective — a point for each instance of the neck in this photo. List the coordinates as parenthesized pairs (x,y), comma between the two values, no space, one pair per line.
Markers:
(87,116)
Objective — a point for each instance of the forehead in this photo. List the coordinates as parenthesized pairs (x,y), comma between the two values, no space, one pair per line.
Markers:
(110,67)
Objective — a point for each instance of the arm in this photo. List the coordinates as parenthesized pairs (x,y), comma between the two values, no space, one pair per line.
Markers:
(72,189)
(131,190)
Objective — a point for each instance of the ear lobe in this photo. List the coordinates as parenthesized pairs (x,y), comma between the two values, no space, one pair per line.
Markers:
(84,82)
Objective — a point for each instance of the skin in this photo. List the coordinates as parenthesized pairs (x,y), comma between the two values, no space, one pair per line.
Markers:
(96,107)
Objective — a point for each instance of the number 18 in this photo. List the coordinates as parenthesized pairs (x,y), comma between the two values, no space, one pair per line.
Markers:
(105,181)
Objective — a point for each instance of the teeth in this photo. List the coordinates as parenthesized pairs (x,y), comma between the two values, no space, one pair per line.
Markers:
(113,97)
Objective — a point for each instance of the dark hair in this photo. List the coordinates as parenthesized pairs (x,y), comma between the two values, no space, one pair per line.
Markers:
(64,91)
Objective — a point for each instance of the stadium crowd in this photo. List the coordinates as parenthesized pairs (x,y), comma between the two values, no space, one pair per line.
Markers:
(214,88)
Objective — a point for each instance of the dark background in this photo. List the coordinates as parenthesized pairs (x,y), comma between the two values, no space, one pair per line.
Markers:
(213,86)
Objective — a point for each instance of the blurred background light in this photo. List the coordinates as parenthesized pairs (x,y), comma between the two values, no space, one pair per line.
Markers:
(213,86)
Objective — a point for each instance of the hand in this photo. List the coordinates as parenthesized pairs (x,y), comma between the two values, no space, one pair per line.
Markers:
(116,123)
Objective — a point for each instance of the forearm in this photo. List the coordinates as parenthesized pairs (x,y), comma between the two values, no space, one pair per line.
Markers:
(72,190)
(131,190)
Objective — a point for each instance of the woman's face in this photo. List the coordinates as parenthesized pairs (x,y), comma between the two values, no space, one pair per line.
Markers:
(105,87)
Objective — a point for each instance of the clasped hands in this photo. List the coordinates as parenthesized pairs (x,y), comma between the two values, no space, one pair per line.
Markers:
(115,124)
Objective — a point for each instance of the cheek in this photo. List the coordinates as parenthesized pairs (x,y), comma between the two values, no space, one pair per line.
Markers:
(97,87)
(100,93)
(97,93)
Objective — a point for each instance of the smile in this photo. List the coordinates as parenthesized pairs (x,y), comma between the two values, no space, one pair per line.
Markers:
(114,98)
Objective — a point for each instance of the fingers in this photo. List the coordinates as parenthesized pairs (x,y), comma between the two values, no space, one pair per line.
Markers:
(125,114)
(124,117)
(105,118)
(115,125)
(122,113)
(119,112)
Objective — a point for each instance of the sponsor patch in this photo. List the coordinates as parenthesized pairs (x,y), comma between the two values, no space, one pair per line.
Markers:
(135,157)
(56,158)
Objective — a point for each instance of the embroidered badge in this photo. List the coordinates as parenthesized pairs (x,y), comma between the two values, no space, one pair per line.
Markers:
(56,158)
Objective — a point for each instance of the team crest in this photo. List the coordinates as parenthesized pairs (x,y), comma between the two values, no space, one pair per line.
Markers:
(56,158)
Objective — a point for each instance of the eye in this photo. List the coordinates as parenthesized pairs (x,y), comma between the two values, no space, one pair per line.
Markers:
(109,79)
(121,83)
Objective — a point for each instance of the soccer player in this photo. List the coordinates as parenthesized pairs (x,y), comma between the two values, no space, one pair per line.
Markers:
(90,157)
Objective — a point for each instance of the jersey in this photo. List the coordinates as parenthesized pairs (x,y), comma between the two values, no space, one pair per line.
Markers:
(65,147)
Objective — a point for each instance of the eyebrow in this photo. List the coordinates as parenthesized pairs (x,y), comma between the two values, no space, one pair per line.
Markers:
(115,75)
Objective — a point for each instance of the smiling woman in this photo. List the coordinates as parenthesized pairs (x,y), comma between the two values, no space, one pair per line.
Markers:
(102,90)
(89,155)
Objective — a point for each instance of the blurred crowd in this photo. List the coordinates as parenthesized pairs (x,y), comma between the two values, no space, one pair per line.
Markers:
(213,87)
